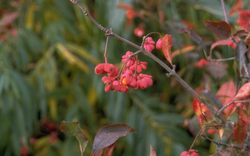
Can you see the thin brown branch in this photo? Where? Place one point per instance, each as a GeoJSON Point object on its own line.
{"type": "Point", "coordinates": [220, 60]}
{"type": "Point", "coordinates": [172, 72]}
{"type": "Point", "coordinates": [232, 102]}
{"type": "Point", "coordinates": [219, 143]}
{"type": "Point", "coordinates": [106, 48]}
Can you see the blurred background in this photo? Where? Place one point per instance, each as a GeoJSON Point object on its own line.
{"type": "Point", "coordinates": [48, 52]}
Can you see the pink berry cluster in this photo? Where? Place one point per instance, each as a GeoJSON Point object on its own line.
{"type": "Point", "coordinates": [191, 152]}
{"type": "Point", "coordinates": [131, 75]}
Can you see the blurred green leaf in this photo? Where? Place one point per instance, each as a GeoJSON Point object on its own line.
{"type": "Point", "coordinates": [71, 58]}
{"type": "Point", "coordinates": [73, 128]}
{"type": "Point", "coordinates": [165, 119]}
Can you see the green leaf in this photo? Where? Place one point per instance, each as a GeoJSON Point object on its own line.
{"type": "Point", "coordinates": [169, 118]}
{"type": "Point", "coordinates": [73, 128]}
{"type": "Point", "coordinates": [71, 58]}
{"type": "Point", "coordinates": [82, 52]}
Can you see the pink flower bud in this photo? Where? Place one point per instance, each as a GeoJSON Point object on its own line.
{"type": "Point", "coordinates": [158, 44]}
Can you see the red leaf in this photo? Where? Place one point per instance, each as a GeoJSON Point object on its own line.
{"type": "Point", "coordinates": [221, 29]}
{"type": "Point", "coordinates": [199, 109]}
{"type": "Point", "coordinates": [202, 122]}
{"type": "Point", "coordinates": [152, 151]}
{"type": "Point", "coordinates": [241, 33]}
{"type": "Point", "coordinates": [202, 111]}
{"type": "Point", "coordinates": [240, 129]}
{"type": "Point", "coordinates": [236, 7]}
{"type": "Point", "coordinates": [244, 91]}
{"type": "Point", "coordinates": [8, 18]}
{"type": "Point", "coordinates": [166, 44]}
{"type": "Point", "coordinates": [109, 150]}
{"type": "Point", "coordinates": [107, 135]}
{"type": "Point", "coordinates": [226, 92]}
{"type": "Point", "coordinates": [244, 19]}
{"type": "Point", "coordinates": [221, 42]}
{"type": "Point", "coordinates": [99, 153]}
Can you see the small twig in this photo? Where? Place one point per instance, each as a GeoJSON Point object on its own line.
{"type": "Point", "coordinates": [226, 19]}
{"type": "Point", "coordinates": [219, 143]}
{"type": "Point", "coordinates": [153, 33]}
{"type": "Point", "coordinates": [216, 60]}
{"type": "Point", "coordinates": [135, 53]}
{"type": "Point", "coordinates": [201, 130]}
{"type": "Point", "coordinates": [220, 60]}
{"type": "Point", "coordinates": [136, 63]}
{"type": "Point", "coordinates": [233, 102]}
{"type": "Point", "coordinates": [105, 51]}
{"type": "Point", "coordinates": [169, 74]}
{"type": "Point", "coordinates": [227, 105]}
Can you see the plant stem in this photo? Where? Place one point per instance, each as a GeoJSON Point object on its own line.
{"type": "Point", "coordinates": [224, 10]}
{"type": "Point", "coordinates": [171, 72]}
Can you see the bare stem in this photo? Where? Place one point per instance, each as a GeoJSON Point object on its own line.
{"type": "Point", "coordinates": [124, 64]}
{"type": "Point", "coordinates": [224, 10]}
{"type": "Point", "coordinates": [232, 102]}
{"type": "Point", "coordinates": [105, 51]}
{"type": "Point", "coordinates": [172, 72]}
{"type": "Point", "coordinates": [221, 60]}
{"type": "Point", "coordinates": [227, 105]}
{"type": "Point", "coordinates": [219, 143]}
{"type": "Point", "coordinates": [196, 137]}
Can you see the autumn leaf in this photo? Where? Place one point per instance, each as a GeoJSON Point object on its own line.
{"type": "Point", "coordinates": [166, 44]}
{"type": "Point", "coordinates": [107, 135]}
{"type": "Point", "coordinates": [202, 111]}
{"type": "Point", "coordinates": [221, 29]}
{"type": "Point", "coordinates": [244, 91]}
{"type": "Point", "coordinates": [99, 153]}
{"type": "Point", "coordinates": [240, 129]}
{"type": "Point", "coordinates": [221, 42]}
{"type": "Point", "coordinates": [8, 18]}
{"type": "Point", "coordinates": [221, 132]}
{"type": "Point", "coordinates": [152, 151]}
{"type": "Point", "coordinates": [226, 92]}
{"type": "Point", "coordinates": [236, 7]}
{"type": "Point", "coordinates": [109, 150]}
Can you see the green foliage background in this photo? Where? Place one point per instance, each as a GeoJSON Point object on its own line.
{"type": "Point", "coordinates": [47, 71]}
